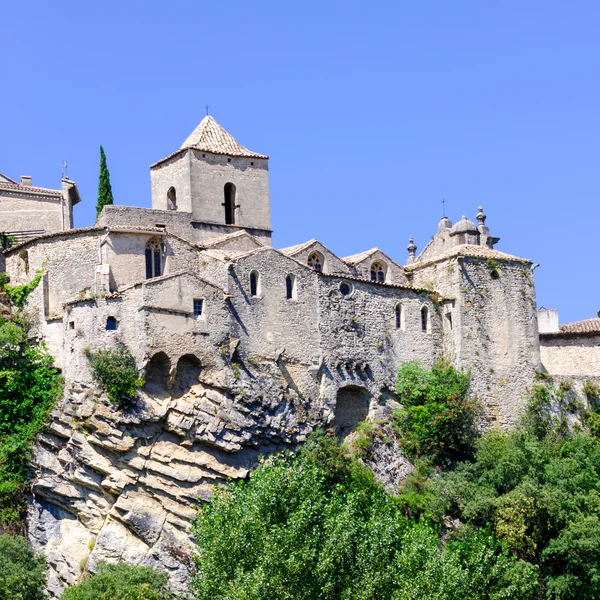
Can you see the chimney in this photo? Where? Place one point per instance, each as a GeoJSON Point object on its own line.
{"type": "Point", "coordinates": [26, 180]}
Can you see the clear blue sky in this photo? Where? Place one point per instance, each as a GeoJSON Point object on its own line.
{"type": "Point", "coordinates": [371, 112]}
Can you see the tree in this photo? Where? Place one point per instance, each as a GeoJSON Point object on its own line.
{"type": "Point", "coordinates": [21, 572]}
{"type": "Point", "coordinates": [316, 525]}
{"type": "Point", "coordinates": [105, 195]}
{"type": "Point", "coordinates": [121, 582]}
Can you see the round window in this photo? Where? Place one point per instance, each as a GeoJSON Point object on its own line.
{"type": "Point", "coordinates": [345, 288]}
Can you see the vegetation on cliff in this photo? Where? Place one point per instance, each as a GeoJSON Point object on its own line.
{"type": "Point", "coordinates": [29, 387]}
{"type": "Point", "coordinates": [21, 572]}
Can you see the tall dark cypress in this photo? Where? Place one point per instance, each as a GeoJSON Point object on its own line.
{"type": "Point", "coordinates": [104, 190]}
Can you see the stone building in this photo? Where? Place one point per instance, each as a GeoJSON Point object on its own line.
{"type": "Point", "coordinates": [27, 211]}
{"type": "Point", "coordinates": [243, 347]}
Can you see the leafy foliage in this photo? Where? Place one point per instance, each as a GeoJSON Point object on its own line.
{"type": "Point", "coordinates": [105, 195]}
{"type": "Point", "coordinates": [116, 372]}
{"type": "Point", "coordinates": [121, 582]}
{"type": "Point", "coordinates": [19, 293]}
{"type": "Point", "coordinates": [316, 525]}
{"type": "Point", "coordinates": [21, 572]}
{"type": "Point", "coordinates": [438, 417]}
{"type": "Point", "coordinates": [29, 387]}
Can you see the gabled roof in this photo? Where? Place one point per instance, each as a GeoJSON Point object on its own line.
{"type": "Point", "coordinates": [5, 179]}
{"type": "Point", "coordinates": [291, 250]}
{"type": "Point", "coordinates": [354, 259]}
{"type": "Point", "coordinates": [217, 241]}
{"type": "Point", "coordinates": [29, 189]}
{"type": "Point", "coordinates": [209, 136]}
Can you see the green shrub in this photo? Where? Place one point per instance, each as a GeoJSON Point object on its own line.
{"type": "Point", "coordinates": [117, 374]}
{"type": "Point", "coordinates": [21, 572]}
{"type": "Point", "coordinates": [121, 582]}
{"type": "Point", "coordinates": [19, 293]}
{"type": "Point", "coordinates": [438, 417]}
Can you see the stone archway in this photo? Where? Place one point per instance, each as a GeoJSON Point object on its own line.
{"type": "Point", "coordinates": [157, 373]}
{"type": "Point", "coordinates": [187, 373]}
{"type": "Point", "coordinates": [351, 407]}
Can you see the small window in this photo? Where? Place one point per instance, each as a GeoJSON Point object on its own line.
{"type": "Point", "coordinates": [449, 321]}
{"type": "Point", "coordinates": [378, 272]}
{"type": "Point", "coordinates": [71, 324]}
{"type": "Point", "coordinates": [425, 319]}
{"type": "Point", "coordinates": [290, 287]}
{"type": "Point", "coordinates": [229, 191]}
{"type": "Point", "coordinates": [171, 199]}
{"type": "Point", "coordinates": [398, 316]}
{"type": "Point", "coordinates": [228, 160]}
{"type": "Point", "coordinates": [254, 283]}
{"type": "Point", "coordinates": [345, 288]}
{"type": "Point", "coordinates": [315, 261]}
{"type": "Point", "coordinates": [251, 163]}
{"type": "Point", "coordinates": [111, 324]}
{"type": "Point", "coordinates": [198, 307]}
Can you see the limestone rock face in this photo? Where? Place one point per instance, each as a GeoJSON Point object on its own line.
{"type": "Point", "coordinates": [116, 485]}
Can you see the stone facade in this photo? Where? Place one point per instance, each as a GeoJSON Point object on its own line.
{"type": "Point", "coordinates": [27, 211]}
{"type": "Point", "coordinates": [244, 348]}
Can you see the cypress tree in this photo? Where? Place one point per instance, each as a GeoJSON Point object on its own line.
{"type": "Point", "coordinates": [104, 190]}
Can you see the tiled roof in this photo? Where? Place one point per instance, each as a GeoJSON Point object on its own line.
{"type": "Point", "coordinates": [586, 328]}
{"type": "Point", "coordinates": [209, 136]}
{"type": "Point", "coordinates": [291, 250]}
{"type": "Point", "coordinates": [354, 259]}
{"type": "Point", "coordinates": [469, 251]}
{"type": "Point", "coordinates": [212, 242]}
{"type": "Point", "coordinates": [17, 187]}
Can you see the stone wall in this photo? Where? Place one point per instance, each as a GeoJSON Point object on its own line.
{"type": "Point", "coordinates": [571, 355]}
{"type": "Point", "coordinates": [35, 212]}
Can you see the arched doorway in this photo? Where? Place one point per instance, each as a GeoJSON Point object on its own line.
{"type": "Point", "coordinates": [157, 373]}
{"type": "Point", "coordinates": [351, 407]}
{"type": "Point", "coordinates": [188, 371]}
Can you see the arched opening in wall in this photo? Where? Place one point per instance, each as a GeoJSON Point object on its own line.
{"type": "Point", "coordinates": [229, 203]}
{"type": "Point", "coordinates": [171, 199]}
{"type": "Point", "coordinates": [157, 373]}
{"type": "Point", "coordinates": [316, 261]}
{"type": "Point", "coordinates": [188, 371]}
{"type": "Point", "coordinates": [154, 258]}
{"type": "Point", "coordinates": [24, 256]}
{"type": "Point", "coordinates": [351, 407]}
{"type": "Point", "coordinates": [425, 319]}
{"type": "Point", "coordinates": [399, 317]}
{"type": "Point", "coordinates": [111, 324]}
{"type": "Point", "coordinates": [254, 283]}
{"type": "Point", "coordinates": [378, 272]}
{"type": "Point", "coordinates": [290, 287]}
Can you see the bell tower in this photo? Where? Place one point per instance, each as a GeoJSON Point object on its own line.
{"type": "Point", "coordinates": [222, 185]}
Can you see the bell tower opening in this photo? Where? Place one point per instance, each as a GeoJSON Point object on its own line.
{"type": "Point", "coordinates": [229, 204]}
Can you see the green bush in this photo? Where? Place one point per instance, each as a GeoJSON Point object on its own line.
{"type": "Point", "coordinates": [21, 572]}
{"type": "Point", "coordinates": [316, 525]}
{"type": "Point", "coordinates": [438, 417]}
{"type": "Point", "coordinates": [116, 372]}
{"type": "Point", "coordinates": [29, 388]}
{"type": "Point", "coordinates": [121, 582]}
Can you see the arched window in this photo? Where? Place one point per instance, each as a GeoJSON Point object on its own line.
{"type": "Point", "coordinates": [111, 324]}
{"type": "Point", "coordinates": [378, 272]}
{"type": "Point", "coordinates": [153, 258]}
{"type": "Point", "coordinates": [254, 284]}
{"type": "Point", "coordinates": [290, 287]}
{"type": "Point", "coordinates": [229, 204]}
{"type": "Point", "coordinates": [425, 319]}
{"type": "Point", "coordinates": [171, 199]}
{"type": "Point", "coordinates": [399, 316]}
{"type": "Point", "coordinates": [315, 261]}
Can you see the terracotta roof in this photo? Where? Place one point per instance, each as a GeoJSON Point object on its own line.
{"type": "Point", "coordinates": [585, 328]}
{"type": "Point", "coordinates": [17, 187]}
{"type": "Point", "coordinates": [468, 251]}
{"type": "Point", "coordinates": [209, 136]}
